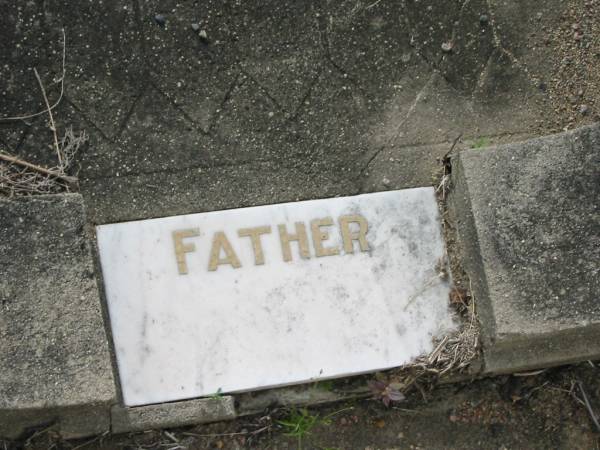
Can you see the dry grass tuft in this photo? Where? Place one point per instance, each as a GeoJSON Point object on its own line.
{"type": "Point", "coordinates": [18, 177]}
{"type": "Point", "coordinates": [455, 351]}
{"type": "Point", "coordinates": [453, 354]}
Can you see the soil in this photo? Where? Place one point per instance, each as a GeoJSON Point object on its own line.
{"type": "Point", "coordinates": [571, 50]}
{"type": "Point", "coordinates": [543, 411]}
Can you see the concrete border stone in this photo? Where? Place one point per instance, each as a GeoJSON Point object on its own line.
{"type": "Point", "coordinates": [54, 357]}
{"type": "Point", "coordinates": [529, 227]}
{"type": "Point", "coordinates": [176, 414]}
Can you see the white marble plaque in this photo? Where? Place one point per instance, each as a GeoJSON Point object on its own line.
{"type": "Point", "coordinates": [243, 299]}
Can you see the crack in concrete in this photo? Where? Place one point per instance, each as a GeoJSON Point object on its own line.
{"type": "Point", "coordinates": [179, 170]}
{"type": "Point", "coordinates": [177, 108]}
{"type": "Point", "coordinates": [137, 17]}
{"type": "Point", "coordinates": [25, 133]}
{"type": "Point", "coordinates": [298, 110]}
{"type": "Point", "coordinates": [325, 31]}
{"type": "Point", "coordinates": [460, 17]}
{"type": "Point", "coordinates": [413, 106]}
{"type": "Point", "coordinates": [411, 38]}
{"type": "Point", "coordinates": [498, 45]}
{"type": "Point", "coordinates": [497, 41]}
{"type": "Point", "coordinates": [203, 48]}
{"type": "Point", "coordinates": [215, 117]}
{"type": "Point", "coordinates": [130, 111]}
{"type": "Point", "coordinates": [407, 116]}
{"type": "Point", "coordinates": [482, 77]}
{"type": "Point", "coordinates": [433, 65]}
{"type": "Point", "coordinates": [264, 90]}
{"type": "Point", "coordinates": [66, 99]}
{"type": "Point", "coordinates": [486, 67]}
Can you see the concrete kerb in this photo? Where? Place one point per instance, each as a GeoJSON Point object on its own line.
{"type": "Point", "coordinates": [527, 219]}
{"type": "Point", "coordinates": [502, 352]}
{"type": "Point", "coordinates": [176, 414]}
{"type": "Point", "coordinates": [54, 356]}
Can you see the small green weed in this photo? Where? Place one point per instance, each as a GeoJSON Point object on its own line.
{"type": "Point", "coordinates": [325, 385]}
{"type": "Point", "coordinates": [300, 423]}
{"type": "Point", "coordinates": [217, 394]}
{"type": "Point", "coordinates": [481, 143]}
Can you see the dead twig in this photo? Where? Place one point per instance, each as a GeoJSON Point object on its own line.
{"type": "Point", "coordinates": [434, 354]}
{"type": "Point", "coordinates": [52, 124]}
{"type": "Point", "coordinates": [62, 89]}
{"type": "Point", "coordinates": [42, 170]}
{"type": "Point", "coordinates": [171, 436]}
{"type": "Point", "coordinates": [373, 4]}
{"type": "Point", "coordinates": [444, 184]}
{"type": "Point", "coordinates": [19, 177]}
{"type": "Point", "coordinates": [446, 158]}
{"type": "Point", "coordinates": [91, 441]}
{"type": "Point", "coordinates": [588, 406]}
{"type": "Point", "coordinates": [529, 374]}
{"type": "Point", "coordinates": [239, 433]}
{"type": "Point", "coordinates": [38, 433]}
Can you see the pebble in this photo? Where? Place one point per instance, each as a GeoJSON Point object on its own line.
{"type": "Point", "coordinates": [484, 19]}
{"type": "Point", "coordinates": [584, 109]}
{"type": "Point", "coordinates": [160, 20]}
{"type": "Point", "coordinates": [447, 47]}
{"type": "Point", "coordinates": [196, 27]}
{"type": "Point", "coordinates": [203, 36]}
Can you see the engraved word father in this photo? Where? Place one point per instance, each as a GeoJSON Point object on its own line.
{"type": "Point", "coordinates": [352, 228]}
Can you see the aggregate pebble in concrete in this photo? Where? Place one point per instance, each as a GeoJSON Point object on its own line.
{"type": "Point", "coordinates": [529, 224]}
{"type": "Point", "coordinates": [54, 356]}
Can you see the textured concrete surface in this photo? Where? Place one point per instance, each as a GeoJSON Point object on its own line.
{"type": "Point", "coordinates": [54, 356]}
{"type": "Point", "coordinates": [178, 414]}
{"type": "Point", "coordinates": [283, 101]}
{"type": "Point", "coordinates": [529, 224]}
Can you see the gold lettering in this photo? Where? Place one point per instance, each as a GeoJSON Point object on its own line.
{"type": "Point", "coordinates": [254, 235]}
{"type": "Point", "coordinates": [300, 236]}
{"type": "Point", "coordinates": [319, 236]}
{"type": "Point", "coordinates": [181, 249]}
{"type": "Point", "coordinates": [349, 236]}
{"type": "Point", "coordinates": [219, 242]}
